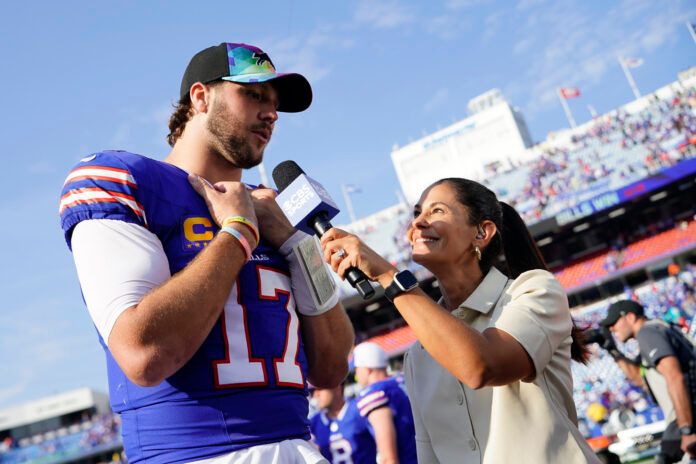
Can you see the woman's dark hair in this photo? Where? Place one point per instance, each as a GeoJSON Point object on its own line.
{"type": "Point", "coordinates": [512, 248]}
{"type": "Point", "coordinates": [181, 115]}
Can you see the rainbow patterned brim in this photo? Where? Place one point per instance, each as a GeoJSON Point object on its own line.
{"type": "Point", "coordinates": [246, 64]}
{"type": "Point", "coordinates": [249, 64]}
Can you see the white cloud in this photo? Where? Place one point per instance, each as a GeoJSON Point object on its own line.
{"type": "Point", "coordinates": [446, 27]}
{"type": "Point", "coordinates": [18, 387]}
{"type": "Point", "coordinates": [492, 23]}
{"type": "Point", "coordinates": [580, 49]}
{"type": "Point", "coordinates": [523, 45]}
{"type": "Point", "coordinates": [142, 130]}
{"type": "Point", "coordinates": [40, 331]}
{"type": "Point", "coordinates": [304, 52]}
{"type": "Point", "coordinates": [436, 100]}
{"type": "Point", "coordinates": [384, 14]}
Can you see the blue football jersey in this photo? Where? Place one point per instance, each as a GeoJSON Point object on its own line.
{"type": "Point", "coordinates": [392, 394]}
{"type": "Point", "coordinates": [245, 385]}
{"type": "Point", "coordinates": [347, 439]}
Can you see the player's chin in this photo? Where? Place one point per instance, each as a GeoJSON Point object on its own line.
{"type": "Point", "coordinates": [257, 153]}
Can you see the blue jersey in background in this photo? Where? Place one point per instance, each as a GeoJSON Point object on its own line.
{"type": "Point", "coordinates": [391, 393]}
{"type": "Point", "coordinates": [346, 439]}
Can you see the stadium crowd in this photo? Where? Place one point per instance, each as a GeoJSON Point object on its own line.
{"type": "Point", "coordinates": [612, 151]}
{"type": "Point", "coordinates": [609, 153]}
{"type": "Point", "coordinates": [97, 434]}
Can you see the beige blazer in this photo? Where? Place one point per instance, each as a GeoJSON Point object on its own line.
{"type": "Point", "coordinates": [524, 422]}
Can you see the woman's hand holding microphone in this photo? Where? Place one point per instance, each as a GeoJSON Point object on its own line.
{"type": "Point", "coordinates": [343, 250]}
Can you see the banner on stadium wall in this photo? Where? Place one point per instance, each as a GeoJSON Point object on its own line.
{"type": "Point", "coordinates": [660, 179]}
{"type": "Point", "coordinates": [614, 198]}
{"type": "Point", "coordinates": [588, 207]}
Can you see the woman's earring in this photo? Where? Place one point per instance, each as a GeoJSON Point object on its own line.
{"type": "Point", "coordinates": [477, 252]}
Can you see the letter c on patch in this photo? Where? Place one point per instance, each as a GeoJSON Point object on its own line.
{"type": "Point", "coordinates": [202, 233]}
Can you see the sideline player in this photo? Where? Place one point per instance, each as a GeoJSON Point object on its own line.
{"type": "Point", "coordinates": [384, 402]}
{"type": "Point", "coordinates": [341, 433]}
{"type": "Point", "coordinates": [196, 310]}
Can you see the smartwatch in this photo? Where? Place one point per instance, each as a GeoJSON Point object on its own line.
{"type": "Point", "coordinates": [402, 283]}
{"type": "Point", "coordinates": [685, 430]}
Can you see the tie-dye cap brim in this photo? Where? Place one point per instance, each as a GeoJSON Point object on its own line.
{"type": "Point", "coordinates": [246, 64]}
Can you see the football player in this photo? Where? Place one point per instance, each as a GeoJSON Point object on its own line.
{"type": "Point", "coordinates": [384, 402]}
{"type": "Point", "coordinates": [341, 433]}
{"type": "Point", "coordinates": [192, 278]}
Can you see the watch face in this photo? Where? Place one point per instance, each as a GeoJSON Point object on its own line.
{"type": "Point", "coordinates": [406, 280]}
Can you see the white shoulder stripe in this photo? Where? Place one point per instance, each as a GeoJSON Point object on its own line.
{"type": "Point", "coordinates": [370, 397]}
{"type": "Point", "coordinates": [102, 172]}
{"type": "Point", "coordinates": [95, 195]}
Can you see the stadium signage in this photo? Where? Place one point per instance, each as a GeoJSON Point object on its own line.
{"type": "Point", "coordinates": [636, 189]}
{"type": "Point", "coordinates": [660, 179]}
{"type": "Point", "coordinates": [587, 208]}
{"type": "Point", "coordinates": [439, 139]}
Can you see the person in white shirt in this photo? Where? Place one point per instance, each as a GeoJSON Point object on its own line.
{"type": "Point", "coordinates": [489, 379]}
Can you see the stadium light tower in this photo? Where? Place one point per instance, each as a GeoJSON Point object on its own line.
{"type": "Point", "coordinates": [347, 189]}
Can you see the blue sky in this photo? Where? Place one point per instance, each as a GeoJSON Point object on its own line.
{"type": "Point", "coordinates": [81, 76]}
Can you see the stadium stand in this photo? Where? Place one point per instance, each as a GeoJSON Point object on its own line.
{"type": "Point", "coordinates": [611, 152]}
{"type": "Point", "coordinates": [95, 440]}
{"type": "Point", "coordinates": [635, 255]}
{"type": "Point", "coordinates": [71, 427]}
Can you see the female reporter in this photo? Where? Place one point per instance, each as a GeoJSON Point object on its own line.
{"type": "Point", "coordinates": [489, 379]}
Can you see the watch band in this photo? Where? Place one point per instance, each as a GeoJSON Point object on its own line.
{"type": "Point", "coordinates": [685, 430]}
{"type": "Point", "coordinates": [403, 282]}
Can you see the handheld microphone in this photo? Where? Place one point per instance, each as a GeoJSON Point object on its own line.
{"type": "Point", "coordinates": [309, 208]}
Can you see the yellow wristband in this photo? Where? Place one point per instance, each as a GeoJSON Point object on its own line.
{"type": "Point", "coordinates": [242, 220]}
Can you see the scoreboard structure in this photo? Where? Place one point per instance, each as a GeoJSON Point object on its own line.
{"type": "Point", "coordinates": [493, 137]}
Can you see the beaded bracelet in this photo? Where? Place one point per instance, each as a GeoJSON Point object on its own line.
{"type": "Point", "coordinates": [240, 238]}
{"type": "Point", "coordinates": [242, 220]}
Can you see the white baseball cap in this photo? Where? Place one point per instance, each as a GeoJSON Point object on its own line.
{"type": "Point", "coordinates": [370, 355]}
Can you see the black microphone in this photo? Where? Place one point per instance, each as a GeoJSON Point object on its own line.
{"type": "Point", "coordinates": [309, 208]}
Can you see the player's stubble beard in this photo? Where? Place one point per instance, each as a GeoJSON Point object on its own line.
{"type": "Point", "coordinates": [229, 137]}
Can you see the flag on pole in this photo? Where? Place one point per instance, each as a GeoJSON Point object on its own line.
{"type": "Point", "coordinates": [633, 62]}
{"type": "Point", "coordinates": [626, 65]}
{"type": "Point", "coordinates": [350, 188]}
{"type": "Point", "coordinates": [569, 92]}
{"type": "Point", "coordinates": [565, 93]}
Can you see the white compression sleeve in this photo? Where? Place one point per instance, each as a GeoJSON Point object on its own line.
{"type": "Point", "coordinates": [117, 264]}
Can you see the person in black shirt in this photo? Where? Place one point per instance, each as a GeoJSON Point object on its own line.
{"type": "Point", "coordinates": [668, 358]}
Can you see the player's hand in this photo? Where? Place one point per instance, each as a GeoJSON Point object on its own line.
{"type": "Point", "coordinates": [225, 199]}
{"type": "Point", "coordinates": [274, 227]}
{"type": "Point", "coordinates": [688, 444]}
{"type": "Point", "coordinates": [357, 254]}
